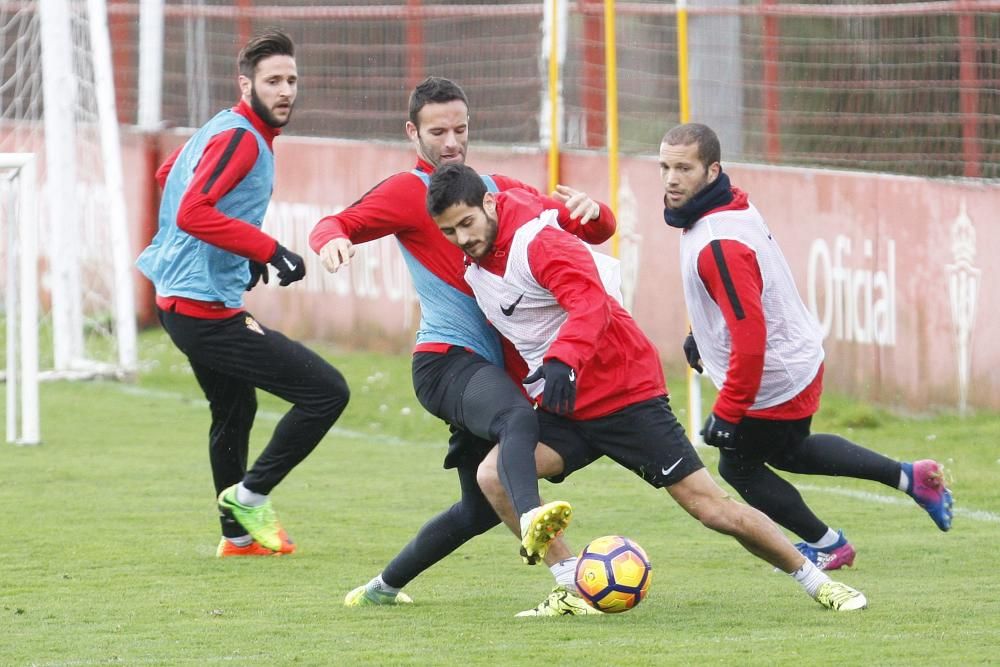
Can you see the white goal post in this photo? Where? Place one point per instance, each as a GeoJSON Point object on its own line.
{"type": "Point", "coordinates": [80, 120]}
{"type": "Point", "coordinates": [20, 216]}
{"type": "Point", "coordinates": [57, 104]}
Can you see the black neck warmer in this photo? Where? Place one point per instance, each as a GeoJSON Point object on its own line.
{"type": "Point", "coordinates": [717, 193]}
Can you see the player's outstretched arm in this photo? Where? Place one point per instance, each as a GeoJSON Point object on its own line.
{"type": "Point", "coordinates": [394, 206]}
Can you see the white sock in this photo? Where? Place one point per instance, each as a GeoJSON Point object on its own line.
{"type": "Point", "coordinates": [904, 481]}
{"type": "Point", "coordinates": [378, 585]}
{"type": "Point", "coordinates": [565, 573]}
{"type": "Point", "coordinates": [248, 498]}
{"type": "Point", "coordinates": [827, 540]}
{"type": "Point", "coordinates": [526, 519]}
{"type": "Point", "coordinates": [810, 577]}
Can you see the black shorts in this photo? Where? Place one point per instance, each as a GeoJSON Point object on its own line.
{"type": "Point", "coordinates": [644, 437]}
{"type": "Point", "coordinates": [469, 393]}
{"type": "Point", "coordinates": [759, 440]}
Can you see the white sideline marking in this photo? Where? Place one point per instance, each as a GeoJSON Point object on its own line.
{"type": "Point", "coordinates": [268, 415]}
{"type": "Point", "coordinates": [975, 515]}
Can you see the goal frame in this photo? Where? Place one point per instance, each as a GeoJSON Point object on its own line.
{"type": "Point", "coordinates": [62, 176]}
{"type": "Point", "coordinates": [88, 298]}
{"type": "Point", "coordinates": [21, 299]}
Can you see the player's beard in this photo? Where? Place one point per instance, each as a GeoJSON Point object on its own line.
{"type": "Point", "coordinates": [691, 194]}
{"type": "Point", "coordinates": [265, 114]}
{"type": "Point", "coordinates": [487, 242]}
{"type": "Point", "coordinates": [434, 157]}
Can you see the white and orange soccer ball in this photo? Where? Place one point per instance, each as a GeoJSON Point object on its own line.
{"type": "Point", "coordinates": [613, 574]}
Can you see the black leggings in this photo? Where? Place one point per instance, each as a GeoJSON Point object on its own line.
{"type": "Point", "coordinates": [482, 404]}
{"type": "Point", "coordinates": [788, 446]}
{"type": "Point", "coordinates": [472, 515]}
{"type": "Point", "coordinates": [233, 357]}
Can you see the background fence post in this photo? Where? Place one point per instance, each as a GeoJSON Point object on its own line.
{"type": "Point", "coordinates": [772, 94]}
{"type": "Point", "coordinates": [968, 91]}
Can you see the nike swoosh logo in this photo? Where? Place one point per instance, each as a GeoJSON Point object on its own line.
{"type": "Point", "coordinates": [572, 375]}
{"type": "Point", "coordinates": [667, 471]}
{"type": "Point", "coordinates": [291, 267]}
{"type": "Point", "coordinates": [509, 310]}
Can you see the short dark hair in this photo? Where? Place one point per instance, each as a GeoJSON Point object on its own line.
{"type": "Point", "coordinates": [454, 184]}
{"type": "Point", "coordinates": [272, 42]}
{"type": "Point", "coordinates": [434, 90]}
{"type": "Point", "coordinates": [709, 150]}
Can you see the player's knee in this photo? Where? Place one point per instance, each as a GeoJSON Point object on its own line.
{"type": "Point", "coordinates": [235, 414]}
{"type": "Point", "coordinates": [711, 518]}
{"type": "Point", "coordinates": [488, 478]}
{"type": "Point", "coordinates": [518, 421]}
{"type": "Point", "coordinates": [734, 473]}
{"type": "Point", "coordinates": [727, 470]}
{"type": "Point", "coordinates": [718, 514]}
{"type": "Point", "coordinates": [333, 395]}
{"type": "Point", "coordinates": [337, 387]}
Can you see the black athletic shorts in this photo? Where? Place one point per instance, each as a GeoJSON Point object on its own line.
{"type": "Point", "coordinates": [759, 440]}
{"type": "Point", "coordinates": [644, 437]}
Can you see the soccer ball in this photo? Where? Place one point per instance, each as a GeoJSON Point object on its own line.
{"type": "Point", "coordinates": [613, 574]}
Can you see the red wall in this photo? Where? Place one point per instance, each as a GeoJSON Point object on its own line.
{"type": "Point", "coordinates": [881, 259]}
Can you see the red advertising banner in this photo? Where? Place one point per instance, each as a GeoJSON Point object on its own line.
{"type": "Point", "coordinates": [896, 269]}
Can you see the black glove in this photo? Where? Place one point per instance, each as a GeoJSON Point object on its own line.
{"type": "Point", "coordinates": [291, 267]}
{"type": "Point", "coordinates": [560, 386]}
{"type": "Point", "coordinates": [692, 354]}
{"type": "Point", "coordinates": [258, 272]}
{"type": "Point", "coordinates": [718, 432]}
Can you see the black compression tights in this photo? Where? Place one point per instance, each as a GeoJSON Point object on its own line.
{"type": "Point", "coordinates": [470, 516]}
{"type": "Point", "coordinates": [818, 454]}
{"type": "Point", "coordinates": [494, 409]}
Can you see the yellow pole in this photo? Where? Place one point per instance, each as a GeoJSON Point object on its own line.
{"type": "Point", "coordinates": [554, 97]}
{"type": "Point", "coordinates": [682, 61]}
{"type": "Point", "coordinates": [683, 91]}
{"type": "Point", "coordinates": [611, 88]}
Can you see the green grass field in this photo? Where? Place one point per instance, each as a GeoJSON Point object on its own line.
{"type": "Point", "coordinates": [110, 533]}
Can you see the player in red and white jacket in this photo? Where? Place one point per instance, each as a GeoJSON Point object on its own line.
{"type": "Point", "coordinates": [458, 359]}
{"type": "Point", "coordinates": [596, 378]}
{"type": "Point", "coordinates": [763, 349]}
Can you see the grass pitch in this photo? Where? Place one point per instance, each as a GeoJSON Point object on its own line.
{"type": "Point", "coordinates": [109, 537]}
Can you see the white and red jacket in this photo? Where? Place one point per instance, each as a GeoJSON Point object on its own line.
{"type": "Point", "coordinates": [541, 287]}
{"type": "Point", "coordinates": [758, 342]}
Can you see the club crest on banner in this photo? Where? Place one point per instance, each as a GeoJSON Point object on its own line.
{"type": "Point", "coordinates": [963, 294]}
